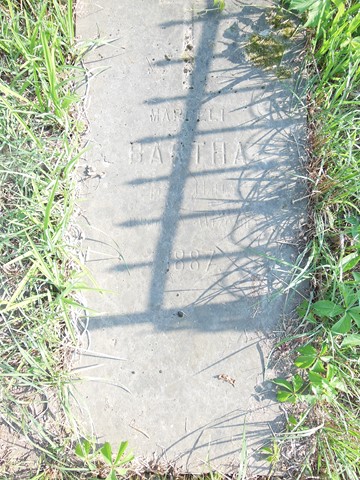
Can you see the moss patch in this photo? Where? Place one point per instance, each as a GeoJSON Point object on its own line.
{"type": "Point", "coordinates": [283, 72]}
{"type": "Point", "coordinates": [265, 52]}
{"type": "Point", "coordinates": [280, 21]}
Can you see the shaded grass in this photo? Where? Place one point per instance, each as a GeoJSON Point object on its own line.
{"type": "Point", "coordinates": [327, 402]}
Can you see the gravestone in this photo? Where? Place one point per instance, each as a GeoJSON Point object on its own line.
{"type": "Point", "coordinates": [190, 211]}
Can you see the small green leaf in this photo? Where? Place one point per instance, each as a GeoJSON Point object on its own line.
{"type": "Point", "coordinates": [331, 371]}
{"type": "Point", "coordinates": [266, 449]}
{"type": "Point", "coordinates": [281, 382]}
{"type": "Point", "coordinates": [67, 100]}
{"type": "Point", "coordinates": [297, 382]}
{"type": "Point", "coordinates": [349, 261]}
{"type": "Point", "coordinates": [356, 276]}
{"type": "Point", "coordinates": [107, 453]}
{"type": "Point", "coordinates": [318, 367]}
{"type": "Point", "coordinates": [349, 295]}
{"type": "Point", "coordinates": [122, 448]}
{"type": "Point", "coordinates": [324, 349]}
{"type": "Point", "coordinates": [304, 361]}
{"type": "Point", "coordinates": [354, 312]}
{"type": "Point", "coordinates": [339, 385]}
{"type": "Point", "coordinates": [283, 396]}
{"type": "Point", "coordinates": [79, 450]}
{"type": "Point", "coordinates": [342, 326]}
{"type": "Point", "coordinates": [302, 308]}
{"type": "Point", "coordinates": [315, 10]}
{"type": "Point", "coordinates": [352, 340]}
{"type": "Point", "coordinates": [301, 5]}
{"type": "Point", "coordinates": [292, 420]}
{"type": "Point", "coordinates": [83, 448]}
{"type": "Point", "coordinates": [326, 358]}
{"type": "Point", "coordinates": [333, 381]}
{"type": "Point", "coordinates": [220, 4]}
{"type": "Point", "coordinates": [308, 398]}
{"type": "Point", "coordinates": [128, 458]}
{"type": "Point", "coordinates": [327, 308]}
{"type": "Point", "coordinates": [307, 350]}
{"type": "Point", "coordinates": [315, 378]}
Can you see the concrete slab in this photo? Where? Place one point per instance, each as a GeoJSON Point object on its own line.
{"type": "Point", "coordinates": [188, 201]}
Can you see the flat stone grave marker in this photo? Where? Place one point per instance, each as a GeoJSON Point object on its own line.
{"type": "Point", "coordinates": [190, 208]}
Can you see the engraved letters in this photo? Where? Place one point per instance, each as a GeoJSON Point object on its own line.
{"type": "Point", "coordinates": [204, 154]}
{"type": "Point", "coordinates": [176, 114]}
{"type": "Point", "coordinates": [156, 155]}
{"type": "Point", "coordinates": [218, 153]}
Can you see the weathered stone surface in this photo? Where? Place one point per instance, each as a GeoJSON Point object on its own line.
{"type": "Point", "coordinates": [188, 203]}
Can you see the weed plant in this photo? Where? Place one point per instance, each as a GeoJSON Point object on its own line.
{"type": "Point", "coordinates": [327, 380]}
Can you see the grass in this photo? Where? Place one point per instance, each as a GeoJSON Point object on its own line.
{"type": "Point", "coordinates": [41, 278]}
{"type": "Point", "coordinates": [323, 431]}
{"type": "Point", "coordinates": [40, 275]}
